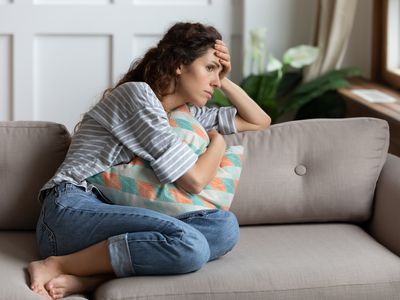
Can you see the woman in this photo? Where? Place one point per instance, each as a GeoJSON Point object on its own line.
{"type": "Point", "coordinates": [85, 240]}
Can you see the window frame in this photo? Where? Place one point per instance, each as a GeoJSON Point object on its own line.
{"type": "Point", "coordinates": [379, 70]}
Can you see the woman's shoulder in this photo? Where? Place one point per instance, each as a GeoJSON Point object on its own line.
{"type": "Point", "coordinates": [135, 92]}
{"type": "Point", "coordinates": [133, 87]}
{"type": "Point", "coordinates": [125, 101]}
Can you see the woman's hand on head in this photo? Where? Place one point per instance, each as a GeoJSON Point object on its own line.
{"type": "Point", "coordinates": [224, 58]}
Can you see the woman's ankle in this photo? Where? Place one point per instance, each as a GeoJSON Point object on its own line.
{"type": "Point", "coordinates": [55, 262]}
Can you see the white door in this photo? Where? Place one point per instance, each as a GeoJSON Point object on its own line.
{"type": "Point", "coordinates": [58, 56]}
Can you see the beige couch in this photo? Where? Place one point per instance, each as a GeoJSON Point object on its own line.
{"type": "Point", "coordinates": [319, 216]}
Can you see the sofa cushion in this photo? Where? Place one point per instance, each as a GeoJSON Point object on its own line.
{"type": "Point", "coordinates": [309, 261]}
{"type": "Point", "coordinates": [30, 153]}
{"type": "Point", "coordinates": [16, 251]}
{"type": "Point", "coordinates": [314, 170]}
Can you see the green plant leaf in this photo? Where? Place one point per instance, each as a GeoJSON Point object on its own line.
{"type": "Point", "coordinates": [330, 76]}
{"type": "Point", "coordinates": [267, 97]}
{"type": "Point", "coordinates": [251, 85]}
{"type": "Point", "coordinates": [329, 105]}
{"type": "Point", "coordinates": [310, 90]}
{"type": "Point", "coordinates": [219, 99]}
{"type": "Point", "coordinates": [262, 89]}
{"type": "Point", "coordinates": [289, 82]}
{"type": "Point", "coordinates": [268, 89]}
{"type": "Point", "coordinates": [298, 100]}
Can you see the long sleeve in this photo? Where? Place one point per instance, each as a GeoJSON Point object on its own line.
{"type": "Point", "coordinates": [221, 119]}
{"type": "Point", "coordinates": [133, 114]}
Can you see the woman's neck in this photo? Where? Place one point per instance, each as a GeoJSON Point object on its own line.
{"type": "Point", "coordinates": [172, 101]}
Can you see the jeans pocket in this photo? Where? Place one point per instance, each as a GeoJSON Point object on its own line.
{"type": "Point", "coordinates": [46, 239]}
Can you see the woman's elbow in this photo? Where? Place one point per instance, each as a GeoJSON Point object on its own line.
{"type": "Point", "coordinates": [193, 189]}
{"type": "Point", "coordinates": [190, 184]}
{"type": "Point", "coordinates": [196, 189]}
{"type": "Point", "coordinates": [266, 123]}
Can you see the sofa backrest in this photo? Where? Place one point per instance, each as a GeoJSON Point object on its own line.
{"type": "Point", "coordinates": [30, 153]}
{"type": "Point", "coordinates": [300, 171]}
{"type": "Point", "coordinates": [316, 170]}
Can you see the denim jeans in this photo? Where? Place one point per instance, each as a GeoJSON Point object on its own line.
{"type": "Point", "coordinates": [140, 241]}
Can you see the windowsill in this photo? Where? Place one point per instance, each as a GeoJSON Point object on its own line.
{"type": "Point", "coordinates": [389, 109]}
{"type": "Point", "coordinates": [356, 106]}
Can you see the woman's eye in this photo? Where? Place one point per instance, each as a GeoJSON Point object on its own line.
{"type": "Point", "coordinates": [210, 68]}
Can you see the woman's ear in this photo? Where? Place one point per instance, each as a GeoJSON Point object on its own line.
{"type": "Point", "coordinates": [179, 70]}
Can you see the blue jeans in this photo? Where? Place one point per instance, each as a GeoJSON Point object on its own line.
{"type": "Point", "coordinates": [140, 241]}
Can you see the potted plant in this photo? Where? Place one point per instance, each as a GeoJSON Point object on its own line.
{"type": "Point", "coordinates": [278, 86]}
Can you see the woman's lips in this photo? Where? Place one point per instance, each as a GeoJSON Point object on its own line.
{"type": "Point", "coordinates": [209, 94]}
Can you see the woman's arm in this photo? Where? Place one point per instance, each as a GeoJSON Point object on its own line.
{"type": "Point", "coordinates": [250, 116]}
{"type": "Point", "coordinates": [205, 168]}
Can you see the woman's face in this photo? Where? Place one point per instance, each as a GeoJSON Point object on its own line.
{"type": "Point", "coordinates": [197, 81]}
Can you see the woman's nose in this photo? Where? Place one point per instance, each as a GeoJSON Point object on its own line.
{"type": "Point", "coordinates": [216, 82]}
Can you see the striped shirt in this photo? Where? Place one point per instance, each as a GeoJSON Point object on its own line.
{"type": "Point", "coordinates": [130, 121]}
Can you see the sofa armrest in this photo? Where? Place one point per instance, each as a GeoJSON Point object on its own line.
{"type": "Point", "coordinates": [385, 223]}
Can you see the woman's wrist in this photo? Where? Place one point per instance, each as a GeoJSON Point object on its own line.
{"type": "Point", "coordinates": [218, 139]}
{"type": "Point", "coordinates": [217, 147]}
{"type": "Point", "coordinates": [226, 84]}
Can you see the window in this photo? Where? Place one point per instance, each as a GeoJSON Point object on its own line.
{"type": "Point", "coordinates": [386, 42]}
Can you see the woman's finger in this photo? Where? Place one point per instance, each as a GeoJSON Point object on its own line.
{"type": "Point", "coordinates": [226, 67]}
{"type": "Point", "coordinates": [223, 56]}
{"type": "Point", "coordinates": [221, 48]}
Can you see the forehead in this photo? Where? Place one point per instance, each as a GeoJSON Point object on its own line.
{"type": "Point", "coordinates": [209, 57]}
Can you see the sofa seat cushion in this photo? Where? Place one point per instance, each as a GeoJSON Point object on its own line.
{"type": "Point", "coordinates": [16, 251]}
{"type": "Point", "coordinates": [320, 261]}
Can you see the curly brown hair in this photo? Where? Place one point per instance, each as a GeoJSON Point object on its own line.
{"type": "Point", "coordinates": [182, 44]}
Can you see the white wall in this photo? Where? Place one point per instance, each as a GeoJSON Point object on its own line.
{"type": "Point", "coordinates": [57, 56]}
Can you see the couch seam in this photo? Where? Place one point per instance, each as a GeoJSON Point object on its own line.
{"type": "Point", "coordinates": [379, 168]}
{"type": "Point", "coordinates": [260, 291]}
{"type": "Point", "coordinates": [327, 120]}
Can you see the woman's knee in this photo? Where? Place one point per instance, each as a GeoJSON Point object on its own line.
{"type": "Point", "coordinates": [220, 228]}
{"type": "Point", "coordinates": [230, 230]}
{"type": "Point", "coordinates": [195, 252]}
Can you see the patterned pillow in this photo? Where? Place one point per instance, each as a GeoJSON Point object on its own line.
{"type": "Point", "coordinates": [135, 183]}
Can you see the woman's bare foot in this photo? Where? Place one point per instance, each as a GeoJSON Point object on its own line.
{"type": "Point", "coordinates": [41, 272]}
{"type": "Point", "coordinates": [65, 285]}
